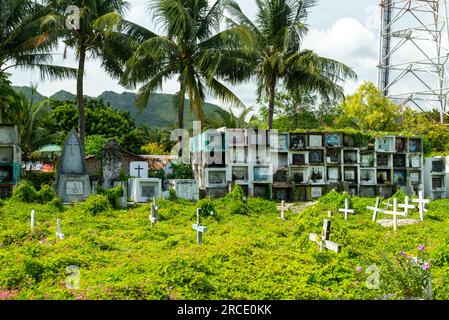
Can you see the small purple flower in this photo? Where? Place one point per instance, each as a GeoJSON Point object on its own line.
{"type": "Point", "coordinates": [403, 254]}
{"type": "Point", "coordinates": [358, 269]}
{"type": "Point", "coordinates": [421, 247]}
{"type": "Point", "coordinates": [426, 266]}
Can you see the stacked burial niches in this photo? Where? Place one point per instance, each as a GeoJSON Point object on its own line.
{"type": "Point", "coordinates": [305, 166]}
{"type": "Point", "coordinates": [10, 160]}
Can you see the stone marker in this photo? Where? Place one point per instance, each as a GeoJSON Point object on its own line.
{"type": "Point", "coordinates": [346, 210]}
{"type": "Point", "coordinates": [323, 241]}
{"type": "Point", "coordinates": [72, 181]}
{"type": "Point", "coordinates": [154, 216]}
{"type": "Point", "coordinates": [406, 206]}
{"type": "Point", "coordinates": [375, 209]}
{"type": "Point", "coordinates": [33, 220]}
{"type": "Point", "coordinates": [198, 228]}
{"type": "Point", "coordinates": [59, 233]}
{"type": "Point", "coordinates": [421, 204]}
{"type": "Point", "coordinates": [187, 189]}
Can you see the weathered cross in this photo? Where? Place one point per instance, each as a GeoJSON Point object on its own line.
{"type": "Point", "coordinates": [33, 220]}
{"type": "Point", "coordinates": [198, 227]}
{"type": "Point", "coordinates": [421, 204]}
{"type": "Point", "coordinates": [282, 208]}
{"type": "Point", "coordinates": [375, 209]}
{"type": "Point", "coordinates": [346, 210]}
{"type": "Point", "coordinates": [406, 206]}
{"type": "Point", "coordinates": [139, 168]}
{"type": "Point", "coordinates": [324, 241]}
{"type": "Point", "coordinates": [154, 216]}
{"type": "Point", "coordinates": [59, 233]}
{"type": "Point", "coordinates": [73, 143]}
{"type": "Point", "coordinates": [395, 213]}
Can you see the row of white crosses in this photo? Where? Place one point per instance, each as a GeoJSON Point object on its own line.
{"type": "Point", "coordinates": [421, 201]}
{"type": "Point", "coordinates": [59, 233]}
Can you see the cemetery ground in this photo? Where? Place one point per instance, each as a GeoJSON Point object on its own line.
{"type": "Point", "coordinates": [248, 252]}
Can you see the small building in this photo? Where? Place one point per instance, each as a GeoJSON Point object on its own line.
{"type": "Point", "coordinates": [10, 160]}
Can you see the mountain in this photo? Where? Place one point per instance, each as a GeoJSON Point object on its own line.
{"type": "Point", "coordinates": [27, 92]}
{"type": "Point", "coordinates": [159, 112]}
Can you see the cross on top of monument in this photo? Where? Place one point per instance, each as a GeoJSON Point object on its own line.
{"type": "Point", "coordinates": [72, 143]}
{"type": "Point", "coordinates": [139, 168]}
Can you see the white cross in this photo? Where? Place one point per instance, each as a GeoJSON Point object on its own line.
{"type": "Point", "coordinates": [198, 228]}
{"type": "Point", "coordinates": [59, 233]}
{"type": "Point", "coordinates": [395, 213]}
{"type": "Point", "coordinates": [406, 206]}
{"type": "Point", "coordinates": [282, 208]}
{"type": "Point", "coordinates": [375, 209]}
{"type": "Point", "coordinates": [421, 204]}
{"type": "Point", "coordinates": [33, 220]}
{"type": "Point", "coordinates": [330, 214]}
{"type": "Point", "coordinates": [388, 204]}
{"type": "Point", "coordinates": [324, 241]}
{"type": "Point", "coordinates": [154, 216]}
{"type": "Point", "coordinates": [346, 210]}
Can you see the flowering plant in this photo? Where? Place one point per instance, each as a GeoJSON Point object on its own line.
{"type": "Point", "coordinates": [6, 294]}
{"type": "Point", "coordinates": [409, 276]}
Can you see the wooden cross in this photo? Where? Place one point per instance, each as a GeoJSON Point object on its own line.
{"type": "Point", "coordinates": [154, 216]}
{"type": "Point", "coordinates": [324, 241]}
{"type": "Point", "coordinates": [282, 208]}
{"type": "Point", "coordinates": [346, 210]}
{"type": "Point", "coordinates": [33, 220]}
{"type": "Point", "coordinates": [406, 206]}
{"type": "Point", "coordinates": [421, 204]}
{"type": "Point", "coordinates": [395, 213]}
{"type": "Point", "coordinates": [59, 233]}
{"type": "Point", "coordinates": [198, 228]}
{"type": "Point", "coordinates": [375, 209]}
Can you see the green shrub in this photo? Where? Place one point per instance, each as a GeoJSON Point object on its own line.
{"type": "Point", "coordinates": [46, 194]}
{"type": "Point", "coordinates": [25, 193]}
{"type": "Point", "coordinates": [96, 204]}
{"type": "Point", "coordinates": [207, 208]}
{"type": "Point", "coordinates": [39, 179]}
{"type": "Point", "coordinates": [172, 195]}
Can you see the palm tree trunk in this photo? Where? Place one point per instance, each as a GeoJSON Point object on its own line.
{"type": "Point", "coordinates": [272, 95]}
{"type": "Point", "coordinates": [181, 101]}
{"type": "Point", "coordinates": [441, 117]}
{"type": "Point", "coordinates": [80, 95]}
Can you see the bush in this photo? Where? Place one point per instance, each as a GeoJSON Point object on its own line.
{"type": "Point", "coordinates": [46, 194]}
{"type": "Point", "coordinates": [234, 201]}
{"type": "Point", "coordinates": [39, 179]}
{"type": "Point", "coordinates": [96, 204]}
{"type": "Point", "coordinates": [207, 208]}
{"type": "Point", "coordinates": [25, 193]}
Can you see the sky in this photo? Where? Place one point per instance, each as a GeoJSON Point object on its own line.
{"type": "Point", "coordinates": [345, 30]}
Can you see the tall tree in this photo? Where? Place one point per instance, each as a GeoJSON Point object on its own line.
{"type": "Point", "coordinates": [98, 21]}
{"type": "Point", "coordinates": [278, 32]}
{"type": "Point", "coordinates": [26, 42]}
{"type": "Point", "coordinates": [193, 50]}
{"type": "Point", "coordinates": [229, 119]}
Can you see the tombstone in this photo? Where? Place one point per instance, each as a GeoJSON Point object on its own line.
{"type": "Point", "coordinates": [282, 208]}
{"type": "Point", "coordinates": [72, 180]}
{"type": "Point", "coordinates": [406, 206]}
{"type": "Point", "coordinates": [138, 169]}
{"type": "Point", "coordinates": [375, 209]}
{"type": "Point", "coordinates": [111, 163]}
{"type": "Point", "coordinates": [421, 204]}
{"type": "Point", "coordinates": [33, 220]}
{"type": "Point", "coordinates": [323, 241]}
{"type": "Point", "coordinates": [59, 233]}
{"type": "Point", "coordinates": [123, 200]}
{"type": "Point", "coordinates": [199, 228]}
{"type": "Point", "coordinates": [346, 210]}
{"type": "Point", "coordinates": [185, 188]}
{"type": "Point", "coordinates": [154, 216]}
{"type": "Point", "coordinates": [141, 190]}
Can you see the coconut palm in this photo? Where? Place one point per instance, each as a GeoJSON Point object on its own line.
{"type": "Point", "coordinates": [100, 35]}
{"type": "Point", "coordinates": [278, 32]}
{"type": "Point", "coordinates": [191, 50]}
{"type": "Point", "coordinates": [25, 42]}
{"type": "Point", "coordinates": [228, 119]}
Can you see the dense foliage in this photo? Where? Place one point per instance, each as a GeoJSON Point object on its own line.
{"type": "Point", "coordinates": [253, 256]}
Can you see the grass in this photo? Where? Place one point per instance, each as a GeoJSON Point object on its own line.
{"type": "Point", "coordinates": [254, 256]}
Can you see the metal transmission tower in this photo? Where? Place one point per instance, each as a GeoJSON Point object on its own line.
{"type": "Point", "coordinates": [414, 40]}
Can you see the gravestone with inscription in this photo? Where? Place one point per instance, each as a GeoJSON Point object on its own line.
{"type": "Point", "coordinates": [72, 180]}
{"type": "Point", "coordinates": [140, 187]}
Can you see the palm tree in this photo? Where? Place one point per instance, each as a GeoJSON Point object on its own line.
{"type": "Point", "coordinates": [228, 119]}
{"type": "Point", "coordinates": [25, 42]}
{"type": "Point", "coordinates": [278, 33]}
{"type": "Point", "coordinates": [100, 27]}
{"type": "Point", "coordinates": [193, 50]}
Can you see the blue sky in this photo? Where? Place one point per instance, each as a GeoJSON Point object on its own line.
{"type": "Point", "coordinates": [346, 30]}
